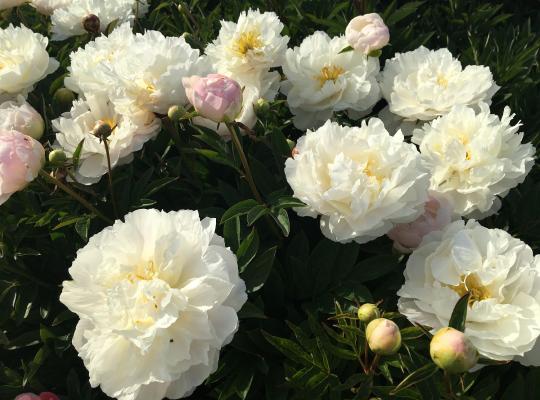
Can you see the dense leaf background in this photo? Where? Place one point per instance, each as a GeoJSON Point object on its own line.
{"type": "Point", "coordinates": [293, 342]}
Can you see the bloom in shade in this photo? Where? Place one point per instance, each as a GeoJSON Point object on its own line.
{"type": "Point", "coordinates": [253, 44]}
{"type": "Point", "coordinates": [383, 336]}
{"type": "Point", "coordinates": [24, 61]}
{"type": "Point", "coordinates": [47, 7]}
{"type": "Point", "coordinates": [367, 33]}
{"type": "Point", "coordinates": [501, 274]}
{"type": "Point", "coordinates": [157, 297]}
{"type": "Point", "coordinates": [70, 20]}
{"type": "Point", "coordinates": [474, 156]}
{"type": "Point", "coordinates": [215, 96]}
{"type": "Point", "coordinates": [27, 396]}
{"type": "Point", "coordinates": [423, 84]}
{"type": "Point", "coordinates": [452, 351]}
{"type": "Point", "coordinates": [21, 116]}
{"type": "Point", "coordinates": [5, 4]}
{"type": "Point", "coordinates": [362, 181]}
{"type": "Point", "coordinates": [127, 135]}
{"type": "Point", "coordinates": [322, 80]}
{"type": "Point", "coordinates": [21, 158]}
{"type": "Point", "coordinates": [438, 212]}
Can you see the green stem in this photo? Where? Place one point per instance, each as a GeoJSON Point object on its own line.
{"type": "Point", "coordinates": [245, 164]}
{"type": "Point", "coordinates": [448, 384]}
{"type": "Point", "coordinates": [76, 196]}
{"type": "Point", "coordinates": [111, 186]}
{"type": "Point", "coordinates": [170, 128]}
{"type": "Point", "coordinates": [374, 363]}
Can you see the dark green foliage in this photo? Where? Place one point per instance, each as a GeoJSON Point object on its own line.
{"type": "Point", "coordinates": [298, 337]}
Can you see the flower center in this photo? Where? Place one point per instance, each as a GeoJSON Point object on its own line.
{"type": "Point", "coordinates": [471, 284]}
{"type": "Point", "coordinates": [442, 81]}
{"type": "Point", "coordinates": [369, 170]}
{"type": "Point", "coordinates": [464, 140]}
{"type": "Point", "coordinates": [247, 41]}
{"type": "Point", "coordinates": [329, 73]}
{"type": "Point", "coordinates": [143, 272]}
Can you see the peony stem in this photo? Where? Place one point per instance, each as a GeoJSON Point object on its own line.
{"type": "Point", "coordinates": [448, 385]}
{"type": "Point", "coordinates": [111, 187]}
{"type": "Point", "coordinates": [245, 164]}
{"type": "Point", "coordinates": [76, 196]}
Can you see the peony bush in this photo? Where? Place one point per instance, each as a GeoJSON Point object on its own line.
{"type": "Point", "coordinates": [159, 161]}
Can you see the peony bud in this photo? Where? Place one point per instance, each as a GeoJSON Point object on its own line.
{"type": "Point", "coordinates": [367, 33]}
{"type": "Point", "coordinates": [5, 4]}
{"type": "Point", "coordinates": [383, 336]}
{"type": "Point", "coordinates": [27, 396]}
{"type": "Point", "coordinates": [22, 117]}
{"type": "Point", "coordinates": [452, 351]}
{"type": "Point", "coordinates": [215, 96]}
{"type": "Point", "coordinates": [102, 130]}
{"type": "Point", "coordinates": [438, 212]}
{"type": "Point", "coordinates": [63, 99]}
{"type": "Point", "coordinates": [21, 158]}
{"type": "Point", "coordinates": [176, 113]}
{"type": "Point", "coordinates": [91, 24]}
{"type": "Point", "coordinates": [48, 396]}
{"type": "Point", "coordinates": [261, 107]}
{"type": "Point", "coordinates": [368, 312]}
{"type": "Point", "coordinates": [57, 156]}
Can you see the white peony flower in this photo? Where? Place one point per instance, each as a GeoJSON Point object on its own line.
{"type": "Point", "coordinates": [24, 61]}
{"type": "Point", "coordinates": [321, 80]}
{"type": "Point", "coordinates": [251, 45]}
{"type": "Point", "coordinates": [71, 20]}
{"type": "Point", "coordinates": [500, 272]}
{"type": "Point", "coordinates": [150, 73]}
{"type": "Point", "coordinates": [128, 135]}
{"type": "Point", "coordinates": [423, 84]}
{"type": "Point", "coordinates": [474, 156]}
{"type": "Point", "coordinates": [47, 7]}
{"type": "Point", "coordinates": [362, 181]}
{"type": "Point", "coordinates": [157, 297]}
{"type": "Point", "coordinates": [395, 123]}
{"type": "Point", "coordinates": [90, 67]}
{"type": "Point", "coordinates": [5, 4]}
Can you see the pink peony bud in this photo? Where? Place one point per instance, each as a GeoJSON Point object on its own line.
{"type": "Point", "coordinates": [452, 351]}
{"type": "Point", "coordinates": [21, 116]}
{"type": "Point", "coordinates": [21, 158]}
{"type": "Point", "coordinates": [215, 96]}
{"type": "Point", "coordinates": [27, 396]}
{"type": "Point", "coordinates": [48, 396]}
{"type": "Point", "coordinates": [383, 336]}
{"type": "Point", "coordinates": [367, 33]}
{"type": "Point", "coordinates": [438, 213]}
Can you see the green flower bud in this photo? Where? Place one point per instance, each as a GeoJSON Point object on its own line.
{"type": "Point", "coordinates": [383, 336]}
{"type": "Point", "coordinates": [102, 130]}
{"type": "Point", "coordinates": [452, 351]}
{"type": "Point", "coordinates": [368, 312]}
{"type": "Point", "coordinates": [57, 156]}
{"type": "Point", "coordinates": [63, 99]}
{"type": "Point", "coordinates": [91, 24]}
{"type": "Point", "coordinates": [261, 107]}
{"type": "Point", "coordinates": [176, 113]}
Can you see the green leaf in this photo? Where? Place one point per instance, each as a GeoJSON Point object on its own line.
{"type": "Point", "coordinates": [290, 349]}
{"type": "Point", "coordinates": [255, 213]}
{"type": "Point", "coordinates": [347, 49]}
{"type": "Point", "coordinates": [287, 202]}
{"type": "Point", "coordinates": [373, 268]}
{"type": "Point", "coordinates": [282, 220]}
{"type": "Point", "coordinates": [257, 272]}
{"type": "Point", "coordinates": [248, 250]}
{"type": "Point", "coordinates": [403, 12]}
{"type": "Point", "coordinates": [459, 314]}
{"type": "Point", "coordinates": [420, 375]}
{"type": "Point", "coordinates": [77, 154]}
{"type": "Point", "coordinates": [241, 208]}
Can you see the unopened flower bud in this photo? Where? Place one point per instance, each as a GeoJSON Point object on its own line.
{"type": "Point", "coordinates": [452, 351]}
{"type": "Point", "coordinates": [22, 117]}
{"type": "Point", "coordinates": [176, 113]}
{"type": "Point", "coordinates": [367, 33]}
{"type": "Point", "coordinates": [27, 396]}
{"type": "Point", "coordinates": [383, 336]}
{"type": "Point", "coordinates": [261, 107]}
{"type": "Point", "coordinates": [91, 24]}
{"type": "Point", "coordinates": [48, 396]}
{"type": "Point", "coordinates": [368, 312]}
{"type": "Point", "coordinates": [102, 130]}
{"type": "Point", "coordinates": [63, 99]}
{"type": "Point", "coordinates": [57, 156]}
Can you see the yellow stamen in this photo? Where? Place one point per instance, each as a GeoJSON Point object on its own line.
{"type": "Point", "coordinates": [329, 73]}
{"type": "Point", "coordinates": [471, 284]}
{"type": "Point", "coordinates": [442, 81]}
{"type": "Point", "coordinates": [246, 42]}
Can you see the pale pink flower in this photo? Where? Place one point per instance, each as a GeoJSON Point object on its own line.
{"type": "Point", "coordinates": [22, 117]}
{"type": "Point", "coordinates": [383, 336]}
{"type": "Point", "coordinates": [452, 351]}
{"type": "Point", "coordinates": [21, 158]}
{"type": "Point", "coordinates": [27, 396]}
{"type": "Point", "coordinates": [407, 237]}
{"type": "Point", "coordinates": [215, 96]}
{"type": "Point", "coordinates": [367, 33]}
